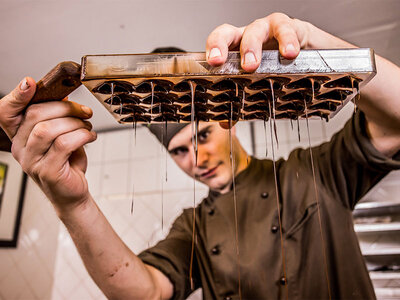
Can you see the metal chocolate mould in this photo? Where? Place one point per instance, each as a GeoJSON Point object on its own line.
{"type": "Point", "coordinates": [163, 87]}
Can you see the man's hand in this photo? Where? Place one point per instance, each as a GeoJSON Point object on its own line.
{"type": "Point", "coordinates": [379, 99]}
{"type": "Point", "coordinates": [266, 33]}
{"type": "Point", "coordinates": [272, 32]}
{"type": "Point", "coordinates": [47, 140]}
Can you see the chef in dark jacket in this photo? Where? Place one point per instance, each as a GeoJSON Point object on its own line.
{"type": "Point", "coordinates": [305, 250]}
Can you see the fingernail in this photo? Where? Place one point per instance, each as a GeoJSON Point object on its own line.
{"type": "Point", "coordinates": [289, 48]}
{"type": "Point", "coordinates": [88, 125]}
{"type": "Point", "coordinates": [215, 52]}
{"type": "Point", "coordinates": [249, 58]}
{"type": "Point", "coordinates": [86, 110]}
{"type": "Point", "coordinates": [24, 85]}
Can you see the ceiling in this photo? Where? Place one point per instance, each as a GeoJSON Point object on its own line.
{"type": "Point", "coordinates": [37, 35]}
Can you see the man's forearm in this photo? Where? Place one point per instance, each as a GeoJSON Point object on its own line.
{"type": "Point", "coordinates": [380, 101]}
{"type": "Point", "coordinates": [380, 98]}
{"type": "Point", "coordinates": [116, 270]}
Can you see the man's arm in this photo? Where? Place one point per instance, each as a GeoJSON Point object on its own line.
{"type": "Point", "coordinates": [380, 99]}
{"type": "Point", "coordinates": [47, 140]}
{"type": "Point", "coordinates": [116, 270]}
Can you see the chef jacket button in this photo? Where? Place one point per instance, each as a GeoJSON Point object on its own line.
{"type": "Point", "coordinates": [283, 281]}
{"type": "Point", "coordinates": [274, 229]}
{"type": "Point", "coordinates": [264, 195]}
{"type": "Point", "coordinates": [215, 250]}
{"type": "Point", "coordinates": [211, 211]}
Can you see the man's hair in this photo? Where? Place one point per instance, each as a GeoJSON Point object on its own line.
{"type": "Point", "coordinates": [167, 50]}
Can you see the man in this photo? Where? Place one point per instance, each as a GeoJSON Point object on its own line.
{"type": "Point", "coordinates": [48, 139]}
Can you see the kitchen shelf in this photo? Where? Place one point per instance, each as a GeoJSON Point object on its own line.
{"type": "Point", "coordinates": [369, 209]}
{"type": "Point", "coordinates": [387, 293]}
{"type": "Point", "coordinates": [377, 227]}
{"type": "Point", "coordinates": [379, 275]}
{"type": "Point", "coordinates": [382, 252]}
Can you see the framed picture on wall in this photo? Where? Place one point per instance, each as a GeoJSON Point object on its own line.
{"type": "Point", "coordinates": [3, 176]}
{"type": "Point", "coordinates": [12, 191]}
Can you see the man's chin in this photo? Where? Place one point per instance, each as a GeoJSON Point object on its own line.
{"type": "Point", "coordinates": [216, 185]}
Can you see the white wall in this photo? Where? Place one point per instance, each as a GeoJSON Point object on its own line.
{"type": "Point", "coordinates": [27, 272]}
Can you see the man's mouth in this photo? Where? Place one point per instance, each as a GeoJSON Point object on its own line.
{"type": "Point", "coordinates": [209, 173]}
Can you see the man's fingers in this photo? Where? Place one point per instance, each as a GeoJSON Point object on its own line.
{"type": "Point", "coordinates": [275, 29]}
{"type": "Point", "coordinates": [64, 146]}
{"type": "Point", "coordinates": [254, 36]}
{"type": "Point", "coordinates": [78, 159]}
{"type": "Point", "coordinates": [282, 29]}
{"type": "Point", "coordinates": [271, 31]}
{"type": "Point", "coordinates": [221, 39]}
{"type": "Point", "coordinates": [13, 104]}
{"type": "Point", "coordinates": [41, 112]}
{"type": "Point", "coordinates": [44, 133]}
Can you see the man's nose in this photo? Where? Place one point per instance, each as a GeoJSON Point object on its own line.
{"type": "Point", "coordinates": [202, 157]}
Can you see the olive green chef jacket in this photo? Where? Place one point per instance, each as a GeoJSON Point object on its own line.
{"type": "Point", "coordinates": [346, 168]}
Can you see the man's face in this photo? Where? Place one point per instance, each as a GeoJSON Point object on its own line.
{"type": "Point", "coordinates": [213, 160]}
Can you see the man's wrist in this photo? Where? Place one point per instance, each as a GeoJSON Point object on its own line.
{"type": "Point", "coordinates": [70, 210]}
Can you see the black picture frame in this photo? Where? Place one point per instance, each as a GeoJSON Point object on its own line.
{"type": "Point", "coordinates": [11, 212]}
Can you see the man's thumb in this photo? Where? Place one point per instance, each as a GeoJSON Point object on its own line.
{"type": "Point", "coordinates": [19, 98]}
{"type": "Point", "coordinates": [13, 104]}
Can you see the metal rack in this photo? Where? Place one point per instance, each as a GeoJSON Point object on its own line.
{"type": "Point", "coordinates": [377, 225]}
{"type": "Point", "coordinates": [393, 227]}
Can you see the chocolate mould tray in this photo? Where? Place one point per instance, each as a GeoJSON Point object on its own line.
{"type": "Point", "coordinates": [163, 87]}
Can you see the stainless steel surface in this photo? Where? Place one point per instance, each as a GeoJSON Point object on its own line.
{"type": "Point", "coordinates": [156, 87]}
{"type": "Point", "coordinates": [368, 209]}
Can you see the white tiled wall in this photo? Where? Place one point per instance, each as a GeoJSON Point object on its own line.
{"type": "Point", "coordinates": [122, 169]}
{"type": "Point", "coordinates": [27, 272]}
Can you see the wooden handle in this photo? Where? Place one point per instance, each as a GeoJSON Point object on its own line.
{"type": "Point", "coordinates": [61, 81]}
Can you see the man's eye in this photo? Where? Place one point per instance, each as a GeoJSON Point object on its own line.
{"type": "Point", "coordinates": [203, 136]}
{"type": "Point", "coordinates": [179, 151]}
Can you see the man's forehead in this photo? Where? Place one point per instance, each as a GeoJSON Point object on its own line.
{"type": "Point", "coordinates": [184, 136]}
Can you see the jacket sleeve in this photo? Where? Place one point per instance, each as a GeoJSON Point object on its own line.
{"type": "Point", "coordinates": [349, 165]}
{"type": "Point", "coordinates": [172, 255]}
